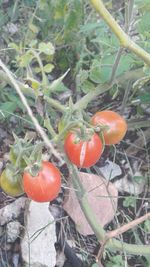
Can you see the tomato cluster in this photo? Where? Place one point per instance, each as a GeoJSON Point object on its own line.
{"type": "Point", "coordinates": [83, 147]}
{"type": "Point", "coordinates": [42, 187]}
{"type": "Point", "coordinates": [84, 153]}
{"type": "Point", "coordinates": [41, 181]}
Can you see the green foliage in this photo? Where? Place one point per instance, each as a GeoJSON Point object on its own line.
{"type": "Point", "coordinates": [147, 226]}
{"type": "Point", "coordinates": [129, 201]}
{"type": "Point", "coordinates": [115, 261]}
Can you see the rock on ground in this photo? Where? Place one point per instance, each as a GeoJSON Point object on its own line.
{"type": "Point", "coordinates": [37, 245]}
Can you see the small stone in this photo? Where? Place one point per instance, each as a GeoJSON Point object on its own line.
{"type": "Point", "coordinates": [40, 237]}
{"type": "Point", "coordinates": [13, 231]}
{"type": "Point", "coordinates": [12, 211]}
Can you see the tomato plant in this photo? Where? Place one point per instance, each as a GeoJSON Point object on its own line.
{"type": "Point", "coordinates": [11, 182]}
{"type": "Point", "coordinates": [45, 185]}
{"type": "Point", "coordinates": [83, 152]}
{"type": "Point", "coordinates": [116, 126]}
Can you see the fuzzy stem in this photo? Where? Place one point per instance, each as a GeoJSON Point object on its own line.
{"type": "Point", "coordinates": [55, 104]}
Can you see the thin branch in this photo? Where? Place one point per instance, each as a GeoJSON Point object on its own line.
{"type": "Point", "coordinates": [116, 64]}
{"type": "Point", "coordinates": [30, 113]}
{"type": "Point", "coordinates": [128, 226]}
{"type": "Point", "coordinates": [128, 17]}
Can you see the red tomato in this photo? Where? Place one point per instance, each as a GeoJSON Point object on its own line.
{"type": "Point", "coordinates": [83, 153]}
{"type": "Point", "coordinates": [117, 126]}
{"type": "Point", "coordinates": [45, 186]}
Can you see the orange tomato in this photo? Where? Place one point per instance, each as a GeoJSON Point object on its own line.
{"type": "Point", "coordinates": [116, 126]}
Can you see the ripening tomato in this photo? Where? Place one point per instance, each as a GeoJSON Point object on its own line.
{"type": "Point", "coordinates": [45, 186]}
{"type": "Point", "coordinates": [11, 182]}
{"type": "Point", "coordinates": [117, 126]}
{"type": "Point", "coordinates": [83, 153]}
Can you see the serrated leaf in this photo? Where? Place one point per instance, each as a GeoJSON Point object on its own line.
{"type": "Point", "coordinates": [87, 86]}
{"type": "Point", "coordinates": [48, 68]}
{"type": "Point", "coordinates": [95, 71]}
{"type": "Point", "coordinates": [46, 48]}
{"type": "Point", "coordinates": [25, 60]}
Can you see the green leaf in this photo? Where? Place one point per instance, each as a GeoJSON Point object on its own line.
{"type": "Point", "coordinates": [143, 5]}
{"type": "Point", "coordinates": [14, 46]}
{"type": "Point", "coordinates": [33, 43]}
{"type": "Point", "coordinates": [57, 84]}
{"type": "Point", "coordinates": [116, 261]}
{"type": "Point", "coordinates": [48, 68]}
{"type": "Point", "coordinates": [46, 48]}
{"type": "Point", "coordinates": [59, 88]}
{"type": "Point", "coordinates": [33, 28]}
{"type": "Point", "coordinates": [147, 226]}
{"type": "Point", "coordinates": [87, 86]}
{"type": "Point", "coordinates": [138, 179]}
{"type": "Point", "coordinates": [25, 60]}
{"type": "Point", "coordinates": [89, 27]}
{"type": "Point", "coordinates": [95, 71]}
{"type": "Point", "coordinates": [7, 108]}
{"type": "Point", "coordinates": [101, 71]}
{"type": "Point", "coordinates": [129, 202]}
{"type": "Point", "coordinates": [144, 23]}
{"type": "Point", "coordinates": [145, 98]}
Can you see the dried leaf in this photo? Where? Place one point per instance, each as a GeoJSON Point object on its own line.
{"type": "Point", "coordinates": [102, 197]}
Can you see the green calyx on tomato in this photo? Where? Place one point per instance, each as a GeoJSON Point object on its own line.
{"type": "Point", "coordinates": [44, 186]}
{"type": "Point", "coordinates": [19, 150]}
{"type": "Point", "coordinates": [81, 151]}
{"type": "Point", "coordinates": [14, 157]}
{"type": "Point", "coordinates": [11, 182]}
{"type": "Point", "coordinates": [112, 126]}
